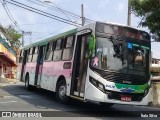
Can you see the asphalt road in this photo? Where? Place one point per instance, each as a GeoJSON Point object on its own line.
{"type": "Point", "coordinates": [15, 97]}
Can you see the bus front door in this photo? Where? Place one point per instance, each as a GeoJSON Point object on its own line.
{"type": "Point", "coordinates": [39, 66]}
{"type": "Point", "coordinates": [80, 66]}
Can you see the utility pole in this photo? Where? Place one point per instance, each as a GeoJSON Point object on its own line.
{"type": "Point", "coordinates": [25, 33]}
{"type": "Point", "coordinates": [129, 15]}
{"type": "Point", "coordinates": [22, 38]}
{"type": "Point", "coordinates": [82, 14]}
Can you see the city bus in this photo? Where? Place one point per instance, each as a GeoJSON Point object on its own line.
{"type": "Point", "coordinates": [102, 62]}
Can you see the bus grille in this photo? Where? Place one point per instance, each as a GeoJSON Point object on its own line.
{"type": "Point", "coordinates": [124, 78]}
{"type": "Point", "coordinates": [117, 96]}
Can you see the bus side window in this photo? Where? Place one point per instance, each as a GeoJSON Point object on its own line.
{"type": "Point", "coordinates": [49, 52]}
{"type": "Point", "coordinates": [68, 48]}
{"type": "Point", "coordinates": [21, 56]}
{"type": "Point", "coordinates": [27, 55]}
{"type": "Point", "coordinates": [35, 54]}
{"type": "Point", "coordinates": [30, 55]}
{"type": "Point", "coordinates": [58, 50]}
{"type": "Point", "coordinates": [58, 44]}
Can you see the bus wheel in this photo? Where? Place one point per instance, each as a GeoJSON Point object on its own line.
{"type": "Point", "coordinates": [27, 86]}
{"type": "Point", "coordinates": [106, 104]}
{"type": "Point", "coordinates": [61, 91]}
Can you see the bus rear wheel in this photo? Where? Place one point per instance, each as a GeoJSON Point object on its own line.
{"type": "Point", "coordinates": [106, 104]}
{"type": "Point", "coordinates": [61, 91]}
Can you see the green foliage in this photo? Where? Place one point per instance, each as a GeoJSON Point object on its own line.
{"type": "Point", "coordinates": [149, 11]}
{"type": "Point", "coordinates": [14, 37]}
{"type": "Point", "coordinates": [155, 69]}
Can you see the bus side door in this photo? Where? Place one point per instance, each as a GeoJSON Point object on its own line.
{"type": "Point", "coordinates": [39, 65]}
{"type": "Point", "coordinates": [80, 64]}
{"type": "Point", "coordinates": [24, 59]}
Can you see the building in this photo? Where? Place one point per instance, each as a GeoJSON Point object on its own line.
{"type": "Point", "coordinates": [155, 69]}
{"type": "Point", "coordinates": [7, 57]}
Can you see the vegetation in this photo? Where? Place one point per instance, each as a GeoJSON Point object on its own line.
{"type": "Point", "coordinates": [149, 11]}
{"type": "Point", "coordinates": [14, 37]}
{"type": "Point", "coordinates": [155, 69]}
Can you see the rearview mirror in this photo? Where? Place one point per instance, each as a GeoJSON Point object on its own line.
{"type": "Point", "coordinates": [92, 44]}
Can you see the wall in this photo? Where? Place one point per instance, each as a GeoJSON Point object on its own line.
{"type": "Point", "coordinates": [7, 52]}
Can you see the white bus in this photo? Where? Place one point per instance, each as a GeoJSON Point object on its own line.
{"type": "Point", "coordinates": [102, 62]}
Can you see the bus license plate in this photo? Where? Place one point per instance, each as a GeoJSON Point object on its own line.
{"type": "Point", "coordinates": [126, 98]}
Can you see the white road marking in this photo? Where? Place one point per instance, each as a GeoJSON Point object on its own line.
{"type": "Point", "coordinates": [8, 102]}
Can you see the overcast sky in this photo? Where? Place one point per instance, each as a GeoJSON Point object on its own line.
{"type": "Point", "coordinates": [43, 27]}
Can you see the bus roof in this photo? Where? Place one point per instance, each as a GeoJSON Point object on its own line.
{"type": "Point", "coordinates": [45, 41]}
{"type": "Point", "coordinates": [117, 24]}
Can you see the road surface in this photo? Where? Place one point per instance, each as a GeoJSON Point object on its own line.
{"type": "Point", "coordinates": [15, 97]}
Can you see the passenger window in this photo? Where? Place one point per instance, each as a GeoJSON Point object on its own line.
{"type": "Point", "coordinates": [36, 50]}
{"type": "Point", "coordinates": [35, 54]}
{"type": "Point", "coordinates": [58, 50]}
{"type": "Point", "coordinates": [49, 52]}
{"type": "Point", "coordinates": [31, 50]}
{"type": "Point", "coordinates": [70, 42]}
{"type": "Point", "coordinates": [58, 44]}
{"type": "Point", "coordinates": [68, 48]}
{"type": "Point", "coordinates": [57, 55]}
{"type": "Point", "coordinates": [21, 56]}
{"type": "Point", "coordinates": [29, 55]}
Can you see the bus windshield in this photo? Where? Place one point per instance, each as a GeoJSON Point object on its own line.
{"type": "Point", "coordinates": [121, 56]}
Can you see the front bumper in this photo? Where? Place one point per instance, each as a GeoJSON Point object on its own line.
{"type": "Point", "coordinates": [94, 94]}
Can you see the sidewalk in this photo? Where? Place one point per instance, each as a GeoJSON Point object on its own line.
{"type": "Point", "coordinates": [7, 81]}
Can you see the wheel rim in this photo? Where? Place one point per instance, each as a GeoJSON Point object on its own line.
{"type": "Point", "coordinates": [62, 91]}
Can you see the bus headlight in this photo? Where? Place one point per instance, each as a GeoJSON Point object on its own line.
{"type": "Point", "coordinates": [97, 84]}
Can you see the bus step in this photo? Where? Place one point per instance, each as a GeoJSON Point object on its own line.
{"type": "Point", "coordinates": [77, 94]}
{"type": "Point", "coordinates": [38, 86]}
{"type": "Point", "coordinates": [81, 94]}
{"type": "Point", "coordinates": [76, 97]}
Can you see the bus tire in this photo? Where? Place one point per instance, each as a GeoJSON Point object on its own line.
{"type": "Point", "coordinates": [27, 86]}
{"type": "Point", "coordinates": [106, 104]}
{"type": "Point", "coordinates": [61, 90]}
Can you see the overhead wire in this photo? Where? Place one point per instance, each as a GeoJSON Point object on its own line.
{"type": "Point", "coordinates": [37, 23]}
{"type": "Point", "coordinates": [54, 32]}
{"type": "Point", "coordinates": [10, 15]}
{"type": "Point", "coordinates": [43, 4]}
{"type": "Point", "coordinates": [58, 8]}
{"type": "Point", "coordinates": [12, 19]}
{"type": "Point", "coordinates": [21, 5]}
{"type": "Point", "coordinates": [68, 13]}
{"type": "Point", "coordinates": [42, 12]}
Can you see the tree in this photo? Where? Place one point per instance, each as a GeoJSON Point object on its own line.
{"type": "Point", "coordinates": [14, 37]}
{"type": "Point", "coordinates": [149, 11]}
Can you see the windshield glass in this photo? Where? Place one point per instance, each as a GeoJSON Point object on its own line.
{"type": "Point", "coordinates": [138, 58]}
{"type": "Point", "coordinates": [119, 55]}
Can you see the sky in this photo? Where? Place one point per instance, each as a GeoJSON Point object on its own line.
{"type": "Point", "coordinates": [114, 11]}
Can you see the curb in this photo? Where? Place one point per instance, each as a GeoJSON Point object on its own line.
{"type": "Point", "coordinates": [2, 85]}
{"type": "Point", "coordinates": [5, 82]}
